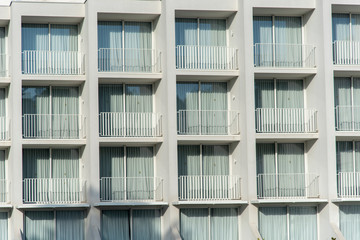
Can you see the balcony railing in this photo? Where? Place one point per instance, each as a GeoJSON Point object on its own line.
{"type": "Point", "coordinates": [348, 184]}
{"type": "Point", "coordinates": [53, 190]}
{"type": "Point", "coordinates": [53, 126]}
{"type": "Point", "coordinates": [287, 185]}
{"type": "Point", "coordinates": [284, 55]}
{"type": "Point", "coordinates": [206, 57]}
{"type": "Point", "coordinates": [114, 189]}
{"type": "Point", "coordinates": [4, 191]}
{"type": "Point", "coordinates": [208, 122]}
{"type": "Point", "coordinates": [129, 60]}
{"type": "Point", "coordinates": [286, 120]}
{"type": "Point", "coordinates": [4, 128]}
{"type": "Point", "coordinates": [130, 124]}
{"type": "Point", "coordinates": [347, 118]}
{"type": "Point", "coordinates": [198, 188]}
{"type": "Point", "coordinates": [346, 52]}
{"type": "Point", "coordinates": [52, 62]}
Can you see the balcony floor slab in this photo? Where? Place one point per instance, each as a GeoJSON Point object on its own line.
{"type": "Point", "coordinates": [128, 77]}
{"type": "Point", "coordinates": [209, 203]}
{"type": "Point", "coordinates": [54, 142]}
{"type": "Point", "coordinates": [129, 141]}
{"type": "Point", "coordinates": [67, 80]}
{"type": "Point", "coordinates": [346, 70]}
{"type": "Point", "coordinates": [347, 135]}
{"type": "Point", "coordinates": [209, 139]}
{"type": "Point", "coordinates": [129, 204]}
{"type": "Point", "coordinates": [345, 200]}
{"type": "Point", "coordinates": [53, 206]}
{"type": "Point", "coordinates": [206, 75]}
{"type": "Point", "coordinates": [289, 201]}
{"type": "Point", "coordinates": [287, 137]}
{"type": "Point", "coordinates": [283, 73]}
{"type": "Point", "coordinates": [6, 206]}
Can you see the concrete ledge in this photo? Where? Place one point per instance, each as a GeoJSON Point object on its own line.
{"type": "Point", "coordinates": [283, 73]}
{"type": "Point", "coordinates": [127, 204]}
{"type": "Point", "coordinates": [289, 201]}
{"type": "Point", "coordinates": [209, 203]}
{"type": "Point", "coordinates": [54, 142]}
{"type": "Point", "coordinates": [347, 135]}
{"type": "Point", "coordinates": [128, 77]}
{"type": "Point", "coordinates": [345, 200]}
{"type": "Point", "coordinates": [129, 141]}
{"type": "Point", "coordinates": [206, 75]}
{"type": "Point", "coordinates": [213, 139]}
{"type": "Point", "coordinates": [6, 206]}
{"type": "Point", "coordinates": [53, 206]}
{"type": "Point", "coordinates": [286, 137]}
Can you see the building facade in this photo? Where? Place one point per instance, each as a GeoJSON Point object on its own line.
{"type": "Point", "coordinates": [135, 119]}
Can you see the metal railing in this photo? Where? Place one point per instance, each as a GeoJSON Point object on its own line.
{"type": "Point", "coordinates": [53, 190]}
{"type": "Point", "coordinates": [4, 129]}
{"type": "Point", "coordinates": [346, 52]}
{"type": "Point", "coordinates": [208, 122]}
{"type": "Point", "coordinates": [197, 188]}
{"type": "Point", "coordinates": [286, 120]}
{"type": "Point", "coordinates": [114, 189]}
{"type": "Point", "coordinates": [130, 124]}
{"type": "Point", "coordinates": [52, 62]}
{"type": "Point", "coordinates": [347, 118]}
{"type": "Point", "coordinates": [287, 185]}
{"type": "Point", "coordinates": [53, 126]}
{"type": "Point", "coordinates": [206, 57]}
{"type": "Point", "coordinates": [129, 60]}
{"type": "Point", "coordinates": [348, 184]}
{"type": "Point", "coordinates": [284, 55]}
{"type": "Point", "coordinates": [4, 191]}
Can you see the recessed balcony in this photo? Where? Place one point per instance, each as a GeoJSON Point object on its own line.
{"type": "Point", "coordinates": [348, 184]}
{"type": "Point", "coordinates": [207, 187]}
{"type": "Point", "coordinates": [287, 185]}
{"type": "Point", "coordinates": [117, 189]}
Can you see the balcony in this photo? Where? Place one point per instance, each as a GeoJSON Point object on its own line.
{"type": "Point", "coordinates": [116, 189]}
{"type": "Point", "coordinates": [52, 62]}
{"type": "Point", "coordinates": [269, 55]}
{"type": "Point", "coordinates": [3, 65]}
{"type": "Point", "coordinates": [4, 129]}
{"type": "Point", "coordinates": [53, 190]}
{"type": "Point", "coordinates": [125, 124]}
{"type": "Point", "coordinates": [53, 126]}
{"type": "Point", "coordinates": [129, 60]}
{"type": "Point", "coordinates": [4, 191]}
{"type": "Point", "coordinates": [348, 184]}
{"type": "Point", "coordinates": [286, 120]}
{"type": "Point", "coordinates": [289, 185]}
{"type": "Point", "coordinates": [198, 188]}
{"type": "Point", "coordinates": [208, 122]}
{"type": "Point", "coordinates": [206, 58]}
{"type": "Point", "coordinates": [347, 118]}
{"type": "Point", "coordinates": [346, 53]}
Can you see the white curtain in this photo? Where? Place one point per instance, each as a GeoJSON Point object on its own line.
{"type": "Point", "coordinates": [65, 112]}
{"type": "Point", "coordinates": [64, 57]}
{"type": "Point", "coordinates": [273, 223]}
{"type": "Point", "coordinates": [111, 108]}
{"type": "Point", "coordinates": [70, 225]}
{"type": "Point", "coordinates": [186, 39]}
{"type": "Point", "coordinates": [187, 96]}
{"type": "Point", "coordinates": [194, 224]}
{"type": "Point", "coordinates": [140, 173]}
{"type": "Point", "coordinates": [35, 47]}
{"type": "Point", "coordinates": [112, 164]}
{"type": "Point", "coordinates": [215, 160]}
{"type": "Point", "coordinates": [35, 110]}
{"type": "Point", "coordinates": [39, 225]}
{"type": "Point", "coordinates": [138, 47]}
{"type": "Point", "coordinates": [110, 46]}
{"type": "Point", "coordinates": [3, 70]}
{"type": "Point", "coordinates": [214, 115]}
{"type": "Point", "coordinates": [350, 221]}
{"type": "Point", "coordinates": [263, 39]}
{"type": "Point", "coordinates": [224, 224]}
{"type": "Point", "coordinates": [290, 94]}
{"type": "Point", "coordinates": [189, 160]}
{"type": "Point", "coordinates": [266, 169]}
{"type": "Point", "coordinates": [146, 224]}
{"type": "Point", "coordinates": [138, 103]}
{"type": "Point", "coordinates": [343, 105]}
{"type": "Point", "coordinates": [3, 225]}
{"type": "Point", "coordinates": [288, 48]}
{"type": "Point", "coordinates": [115, 225]}
{"type": "Point", "coordinates": [303, 223]}
{"type": "Point", "coordinates": [65, 163]}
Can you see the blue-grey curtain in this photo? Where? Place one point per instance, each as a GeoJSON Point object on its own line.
{"type": "Point", "coordinates": [36, 163]}
{"type": "Point", "coordinates": [65, 163]}
{"type": "Point", "coordinates": [343, 104]}
{"type": "Point", "coordinates": [146, 224]}
{"type": "Point", "coordinates": [350, 221]}
{"type": "Point", "coordinates": [3, 70]}
{"type": "Point", "coordinates": [266, 169]}
{"type": "Point", "coordinates": [112, 164]}
{"type": "Point", "coordinates": [224, 224]}
{"type": "Point", "coordinates": [263, 39]}
{"type": "Point", "coordinates": [340, 27]}
{"type": "Point", "coordinates": [303, 223]}
{"type": "Point", "coordinates": [273, 223]}
{"type": "Point", "coordinates": [187, 96]}
{"type": "Point", "coordinates": [65, 112]}
{"type": "Point", "coordinates": [115, 225]}
{"type": "Point", "coordinates": [189, 160]}
{"type": "Point", "coordinates": [70, 225]}
{"type": "Point", "coordinates": [186, 40]}
{"type": "Point", "coordinates": [194, 224]}
{"type": "Point", "coordinates": [3, 225]}
{"type": "Point", "coordinates": [110, 46]}
{"type": "Point", "coordinates": [39, 225]}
